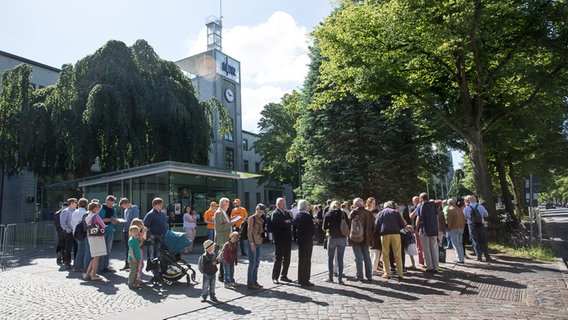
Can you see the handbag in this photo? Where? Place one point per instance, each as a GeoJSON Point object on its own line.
{"type": "Point", "coordinates": [93, 229]}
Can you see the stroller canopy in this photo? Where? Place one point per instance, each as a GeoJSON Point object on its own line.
{"type": "Point", "coordinates": [176, 241]}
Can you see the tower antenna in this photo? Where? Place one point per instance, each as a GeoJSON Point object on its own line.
{"type": "Point", "coordinates": [221, 13]}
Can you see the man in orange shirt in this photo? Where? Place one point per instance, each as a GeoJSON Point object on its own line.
{"type": "Point", "coordinates": [208, 218]}
{"type": "Point", "coordinates": [242, 212]}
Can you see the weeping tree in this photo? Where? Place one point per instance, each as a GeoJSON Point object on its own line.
{"type": "Point", "coordinates": [119, 107]}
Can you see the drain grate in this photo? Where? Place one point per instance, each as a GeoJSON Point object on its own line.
{"type": "Point", "coordinates": [497, 292]}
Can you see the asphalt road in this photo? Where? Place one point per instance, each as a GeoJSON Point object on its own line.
{"type": "Point", "coordinates": [555, 230]}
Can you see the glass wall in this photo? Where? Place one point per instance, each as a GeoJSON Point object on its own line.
{"type": "Point", "coordinates": [177, 189]}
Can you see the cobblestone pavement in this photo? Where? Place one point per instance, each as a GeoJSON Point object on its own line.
{"type": "Point", "coordinates": [506, 289]}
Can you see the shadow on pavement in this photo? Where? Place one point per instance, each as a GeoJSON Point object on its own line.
{"type": "Point", "coordinates": [292, 297]}
{"type": "Point", "coordinates": [227, 307]}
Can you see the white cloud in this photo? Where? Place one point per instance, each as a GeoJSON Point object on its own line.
{"type": "Point", "coordinates": [256, 99]}
{"type": "Point", "coordinates": [273, 58]}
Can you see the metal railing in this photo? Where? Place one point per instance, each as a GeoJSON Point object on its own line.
{"type": "Point", "coordinates": [21, 236]}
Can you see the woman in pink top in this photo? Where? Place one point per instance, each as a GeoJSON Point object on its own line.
{"type": "Point", "coordinates": [96, 243]}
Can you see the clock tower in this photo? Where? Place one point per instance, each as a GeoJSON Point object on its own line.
{"type": "Point", "coordinates": [215, 74]}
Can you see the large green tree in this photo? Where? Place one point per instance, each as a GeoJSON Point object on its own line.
{"type": "Point", "coordinates": [119, 107]}
{"type": "Point", "coordinates": [468, 63]}
{"type": "Point", "coordinates": [277, 134]}
{"type": "Point", "coordinates": [354, 147]}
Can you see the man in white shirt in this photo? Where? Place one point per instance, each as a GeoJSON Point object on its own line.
{"type": "Point", "coordinates": [66, 224]}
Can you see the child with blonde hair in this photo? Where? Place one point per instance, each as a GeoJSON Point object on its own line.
{"type": "Point", "coordinates": [133, 256]}
{"type": "Point", "coordinates": [141, 237]}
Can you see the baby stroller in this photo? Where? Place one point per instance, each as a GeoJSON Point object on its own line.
{"type": "Point", "coordinates": [169, 262]}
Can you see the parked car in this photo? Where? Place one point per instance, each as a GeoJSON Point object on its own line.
{"type": "Point", "coordinates": [550, 206]}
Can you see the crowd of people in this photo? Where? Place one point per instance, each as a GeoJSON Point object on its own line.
{"type": "Point", "coordinates": [380, 236]}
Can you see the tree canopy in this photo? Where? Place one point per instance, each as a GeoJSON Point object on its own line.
{"type": "Point", "coordinates": [119, 107]}
{"type": "Point", "coordinates": [471, 64]}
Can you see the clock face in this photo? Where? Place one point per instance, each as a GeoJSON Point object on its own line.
{"type": "Point", "coordinates": [230, 95]}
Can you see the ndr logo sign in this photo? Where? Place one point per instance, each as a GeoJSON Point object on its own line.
{"type": "Point", "coordinates": [229, 69]}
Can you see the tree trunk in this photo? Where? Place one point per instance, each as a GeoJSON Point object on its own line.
{"type": "Point", "coordinates": [481, 171]}
{"type": "Point", "coordinates": [518, 188]}
{"type": "Point", "coordinates": [507, 197]}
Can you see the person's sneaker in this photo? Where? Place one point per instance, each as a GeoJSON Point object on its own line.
{"type": "Point", "coordinates": [328, 280]}
{"type": "Point", "coordinates": [275, 281]}
{"type": "Point", "coordinates": [126, 267]}
{"type": "Point", "coordinates": [285, 279]}
{"type": "Point", "coordinates": [234, 284]}
{"type": "Point", "coordinates": [203, 299]}
{"type": "Point", "coordinates": [259, 286]}
{"type": "Point", "coordinates": [228, 286]}
{"type": "Point", "coordinates": [214, 299]}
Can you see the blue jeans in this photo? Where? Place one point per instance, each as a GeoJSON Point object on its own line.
{"type": "Point", "coordinates": [449, 240]}
{"type": "Point", "coordinates": [104, 262]}
{"type": "Point", "coordinates": [229, 269]}
{"type": "Point", "coordinates": [479, 241]}
{"type": "Point", "coordinates": [362, 255]}
{"type": "Point", "coordinates": [254, 262]}
{"type": "Point", "coordinates": [80, 257]}
{"type": "Point", "coordinates": [211, 234]}
{"type": "Point", "coordinates": [456, 235]}
{"type": "Point", "coordinates": [332, 245]}
{"type": "Point", "coordinates": [208, 286]}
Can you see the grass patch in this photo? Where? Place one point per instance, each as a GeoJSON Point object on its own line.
{"type": "Point", "coordinates": [535, 252]}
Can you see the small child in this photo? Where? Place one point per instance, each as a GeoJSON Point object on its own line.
{"type": "Point", "coordinates": [142, 237]}
{"type": "Point", "coordinates": [133, 256]}
{"type": "Point", "coordinates": [230, 260]}
{"type": "Point", "coordinates": [207, 265]}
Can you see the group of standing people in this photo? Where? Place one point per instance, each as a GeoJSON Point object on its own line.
{"type": "Point", "coordinates": [86, 230]}
{"type": "Point", "coordinates": [416, 230]}
{"type": "Point", "coordinates": [89, 227]}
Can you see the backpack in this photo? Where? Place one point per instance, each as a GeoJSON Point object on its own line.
{"type": "Point", "coordinates": [57, 222]}
{"type": "Point", "coordinates": [356, 231]}
{"type": "Point", "coordinates": [344, 227]}
{"type": "Point", "coordinates": [243, 232]}
{"type": "Point", "coordinates": [80, 230]}
{"type": "Point", "coordinates": [475, 215]}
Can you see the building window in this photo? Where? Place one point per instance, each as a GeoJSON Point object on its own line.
{"type": "Point", "coordinates": [229, 158]}
{"type": "Point", "coordinates": [246, 166]}
{"type": "Point", "coordinates": [247, 200]}
{"type": "Point", "coordinates": [245, 144]}
{"type": "Point", "coordinates": [257, 167]}
{"type": "Point", "coordinates": [229, 136]}
{"type": "Point", "coordinates": [258, 198]}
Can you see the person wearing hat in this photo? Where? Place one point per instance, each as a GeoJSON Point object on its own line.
{"type": "Point", "coordinates": [229, 258]}
{"type": "Point", "coordinates": [241, 212]}
{"type": "Point", "coordinates": [208, 218]}
{"type": "Point", "coordinates": [255, 225]}
{"type": "Point", "coordinates": [207, 265]}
